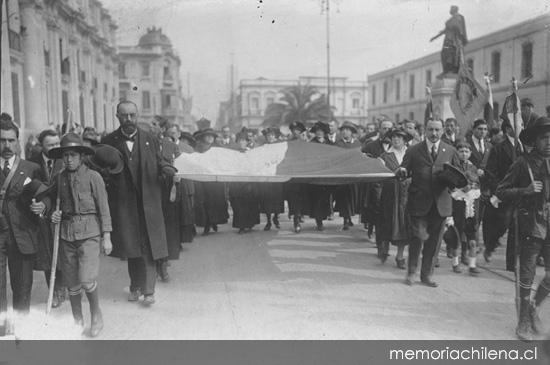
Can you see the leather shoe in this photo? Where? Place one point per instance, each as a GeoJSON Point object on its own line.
{"type": "Point", "coordinates": [409, 280]}
{"type": "Point", "coordinates": [428, 282]}
{"type": "Point", "coordinates": [457, 269]}
{"type": "Point", "coordinates": [297, 228]}
{"type": "Point", "coordinates": [401, 263]}
{"type": "Point", "coordinates": [474, 271]}
{"type": "Point", "coordinates": [149, 300]}
{"type": "Point", "coordinates": [487, 256]}
{"type": "Point", "coordinates": [267, 227]}
{"type": "Point", "coordinates": [134, 295]}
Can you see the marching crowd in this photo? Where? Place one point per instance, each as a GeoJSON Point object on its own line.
{"type": "Point", "coordinates": [121, 195]}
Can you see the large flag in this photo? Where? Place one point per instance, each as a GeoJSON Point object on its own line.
{"type": "Point", "coordinates": [468, 99]}
{"type": "Point", "coordinates": [511, 112]}
{"type": "Point", "coordinates": [279, 162]}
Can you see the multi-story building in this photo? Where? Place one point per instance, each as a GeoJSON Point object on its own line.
{"type": "Point", "coordinates": [520, 51]}
{"type": "Point", "coordinates": [149, 75]}
{"type": "Point", "coordinates": [59, 64]}
{"type": "Point", "coordinates": [347, 98]}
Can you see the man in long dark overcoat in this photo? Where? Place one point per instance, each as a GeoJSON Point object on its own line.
{"type": "Point", "coordinates": [135, 202]}
{"type": "Point", "coordinates": [429, 201]}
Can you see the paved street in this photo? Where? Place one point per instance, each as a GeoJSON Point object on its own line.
{"type": "Point", "coordinates": [280, 285]}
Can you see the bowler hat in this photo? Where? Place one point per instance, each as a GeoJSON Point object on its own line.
{"type": "Point", "coordinates": [320, 126]}
{"type": "Point", "coordinates": [70, 141]}
{"type": "Point", "coordinates": [452, 177]}
{"type": "Point", "coordinates": [106, 158]}
{"type": "Point", "coordinates": [349, 125]}
{"type": "Point", "coordinates": [539, 126]}
{"type": "Point", "coordinates": [399, 132]}
{"type": "Point", "coordinates": [204, 132]}
{"type": "Point", "coordinates": [297, 125]}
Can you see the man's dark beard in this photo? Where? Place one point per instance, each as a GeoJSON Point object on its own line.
{"type": "Point", "coordinates": [129, 128]}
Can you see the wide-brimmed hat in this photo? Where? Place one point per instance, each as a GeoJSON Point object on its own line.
{"type": "Point", "coordinates": [188, 137]}
{"type": "Point", "coordinates": [106, 158]}
{"type": "Point", "coordinates": [349, 125]}
{"type": "Point", "coordinates": [539, 126]}
{"type": "Point", "coordinates": [274, 130]}
{"type": "Point", "coordinates": [297, 125]}
{"type": "Point", "coordinates": [399, 132]}
{"type": "Point", "coordinates": [70, 141]}
{"type": "Point", "coordinates": [452, 177]}
{"type": "Point", "coordinates": [205, 132]}
{"type": "Point", "coordinates": [91, 135]}
{"type": "Point", "coordinates": [320, 126]}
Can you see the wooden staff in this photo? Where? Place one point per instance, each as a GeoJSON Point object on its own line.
{"type": "Point", "coordinates": [55, 252]}
{"type": "Point", "coordinates": [515, 214]}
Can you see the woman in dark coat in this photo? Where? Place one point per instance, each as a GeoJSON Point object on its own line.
{"type": "Point", "coordinates": [395, 221]}
{"type": "Point", "coordinates": [271, 194]}
{"type": "Point", "coordinates": [319, 195]}
{"type": "Point", "coordinates": [210, 200]}
{"type": "Point", "coordinates": [243, 197]}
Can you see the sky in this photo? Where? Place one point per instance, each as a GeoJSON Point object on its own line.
{"type": "Point", "coordinates": [285, 39]}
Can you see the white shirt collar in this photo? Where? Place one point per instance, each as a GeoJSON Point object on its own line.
{"type": "Point", "coordinates": [430, 144]}
{"type": "Point", "coordinates": [11, 161]}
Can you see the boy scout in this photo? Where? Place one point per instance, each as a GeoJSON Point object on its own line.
{"type": "Point", "coordinates": [527, 185]}
{"type": "Point", "coordinates": [85, 222]}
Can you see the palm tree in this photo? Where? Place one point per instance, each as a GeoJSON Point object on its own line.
{"type": "Point", "coordinates": [301, 103]}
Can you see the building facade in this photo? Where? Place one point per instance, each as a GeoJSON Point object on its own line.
{"type": "Point", "coordinates": [59, 64]}
{"type": "Point", "coordinates": [347, 98]}
{"type": "Point", "coordinates": [149, 75]}
{"type": "Point", "coordinates": [520, 51]}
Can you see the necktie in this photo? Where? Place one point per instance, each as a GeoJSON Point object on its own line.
{"type": "Point", "coordinates": [131, 138]}
{"type": "Point", "coordinates": [6, 169]}
{"type": "Point", "coordinates": [434, 152]}
{"type": "Point", "coordinates": [50, 164]}
{"type": "Point", "coordinates": [481, 149]}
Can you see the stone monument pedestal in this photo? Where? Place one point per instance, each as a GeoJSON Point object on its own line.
{"type": "Point", "coordinates": [442, 91]}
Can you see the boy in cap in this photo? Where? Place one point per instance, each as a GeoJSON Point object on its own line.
{"type": "Point", "coordinates": [527, 186]}
{"type": "Point", "coordinates": [85, 227]}
{"type": "Point", "coordinates": [466, 212]}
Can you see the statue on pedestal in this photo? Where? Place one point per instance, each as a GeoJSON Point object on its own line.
{"type": "Point", "coordinates": [453, 43]}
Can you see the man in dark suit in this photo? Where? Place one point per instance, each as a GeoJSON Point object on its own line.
{"type": "Point", "coordinates": [450, 135]}
{"type": "Point", "coordinates": [18, 220]}
{"type": "Point", "coordinates": [429, 199]}
{"type": "Point", "coordinates": [135, 202]}
{"type": "Point", "coordinates": [498, 215]}
{"type": "Point", "coordinates": [528, 114]}
{"type": "Point", "coordinates": [49, 168]}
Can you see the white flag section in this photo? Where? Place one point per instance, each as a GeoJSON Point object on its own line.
{"type": "Point", "coordinates": [280, 162]}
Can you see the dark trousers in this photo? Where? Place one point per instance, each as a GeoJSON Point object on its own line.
{"type": "Point", "coordinates": [496, 221]}
{"type": "Point", "coordinates": [531, 248]}
{"type": "Point", "coordinates": [21, 270]}
{"type": "Point", "coordinates": [425, 232]}
{"type": "Point", "coordinates": [3, 280]}
{"type": "Point", "coordinates": [143, 274]}
{"type": "Point", "coordinates": [58, 284]}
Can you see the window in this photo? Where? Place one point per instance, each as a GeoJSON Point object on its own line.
{"type": "Point", "coordinates": [255, 103]}
{"type": "Point", "coordinates": [428, 77]}
{"type": "Point", "coordinates": [145, 68]}
{"type": "Point", "coordinates": [411, 86]}
{"type": "Point", "coordinates": [385, 92]}
{"type": "Point", "coordinates": [95, 83]}
{"type": "Point", "coordinates": [356, 103]}
{"type": "Point", "coordinates": [94, 112]}
{"type": "Point", "coordinates": [47, 58]}
{"type": "Point", "coordinates": [397, 90]}
{"type": "Point", "coordinates": [527, 60]}
{"type": "Point", "coordinates": [495, 66]}
{"type": "Point", "coordinates": [411, 115]}
{"type": "Point", "coordinates": [65, 105]}
{"type": "Point", "coordinates": [167, 74]}
{"type": "Point", "coordinates": [122, 70]}
{"type": "Point", "coordinates": [396, 117]}
{"type": "Point", "coordinates": [495, 111]}
{"type": "Point", "coordinates": [470, 64]}
{"type": "Point", "coordinates": [123, 95]}
{"type": "Point", "coordinates": [146, 100]}
{"type": "Point", "coordinates": [105, 90]}
{"type": "Point", "coordinates": [81, 107]}
{"type": "Point", "coordinates": [167, 101]}
{"type": "Point", "coordinates": [373, 94]}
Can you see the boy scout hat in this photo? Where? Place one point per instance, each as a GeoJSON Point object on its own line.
{"type": "Point", "coordinates": [188, 137]}
{"type": "Point", "coordinates": [106, 158]}
{"type": "Point", "coordinates": [349, 125]}
{"type": "Point", "coordinates": [452, 177]}
{"type": "Point", "coordinates": [539, 126]}
{"type": "Point", "coordinates": [70, 141]}
{"type": "Point", "coordinates": [297, 125]}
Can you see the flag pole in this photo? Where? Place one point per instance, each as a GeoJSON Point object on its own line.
{"type": "Point", "coordinates": [515, 214]}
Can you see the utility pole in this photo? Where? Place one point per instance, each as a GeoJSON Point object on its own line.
{"type": "Point", "coordinates": [327, 10]}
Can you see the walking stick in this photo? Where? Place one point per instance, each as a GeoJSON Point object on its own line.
{"type": "Point", "coordinates": [54, 259]}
